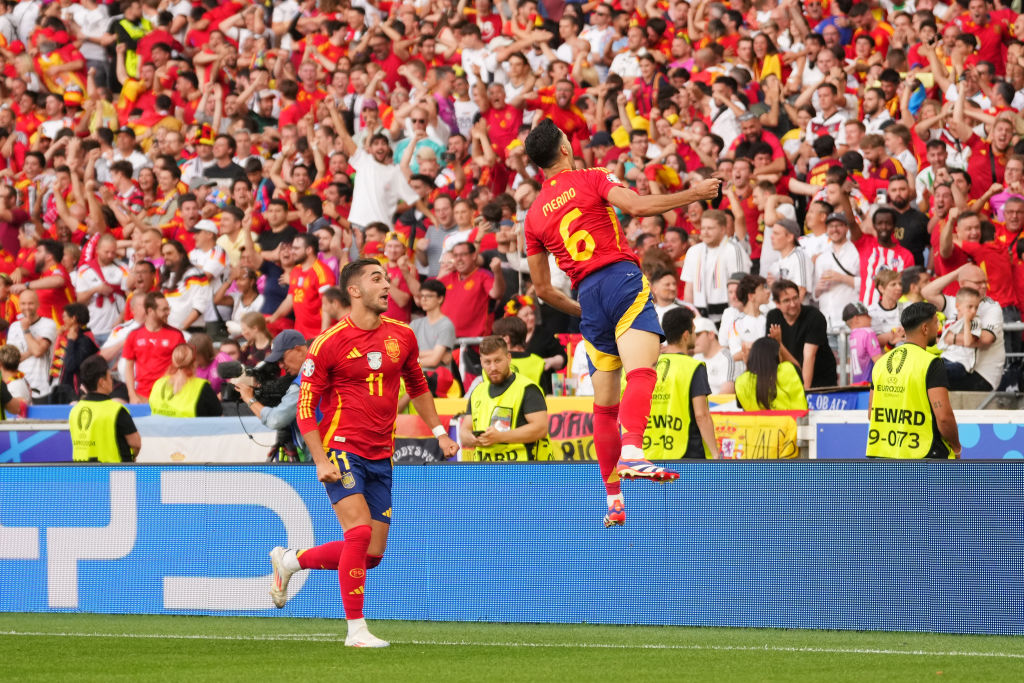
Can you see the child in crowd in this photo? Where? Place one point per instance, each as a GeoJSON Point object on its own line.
{"type": "Point", "coordinates": [864, 346]}
{"type": "Point", "coordinates": [959, 340]}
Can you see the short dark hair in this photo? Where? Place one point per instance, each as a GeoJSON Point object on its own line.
{"type": "Point", "coordinates": [311, 202]}
{"type": "Point", "coordinates": [824, 145]}
{"type": "Point", "coordinates": [677, 322]}
{"type": "Point", "coordinates": [910, 276]}
{"type": "Point", "coordinates": [91, 371]}
{"type": "Point", "coordinates": [353, 270]}
{"type": "Point", "coordinates": [542, 143]}
{"type": "Point", "coordinates": [917, 314]}
{"type": "Point", "coordinates": [123, 167]}
{"type": "Point", "coordinates": [492, 344]}
{"type": "Point", "coordinates": [434, 285]}
{"type": "Point", "coordinates": [337, 294]}
{"type": "Point", "coordinates": [53, 248]}
{"type": "Point", "coordinates": [232, 145]}
{"type": "Point", "coordinates": [747, 285]}
{"type": "Point", "coordinates": [512, 327]}
{"type": "Point", "coordinates": [469, 245]}
{"type": "Point", "coordinates": [80, 313]}
{"type": "Point", "coordinates": [151, 299]}
{"type": "Point", "coordinates": [780, 286]}
{"type": "Point", "coordinates": [308, 241]}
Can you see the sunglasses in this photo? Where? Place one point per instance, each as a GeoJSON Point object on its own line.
{"type": "Point", "coordinates": [419, 120]}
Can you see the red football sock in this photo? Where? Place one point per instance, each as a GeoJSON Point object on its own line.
{"type": "Point", "coordinates": [373, 560]}
{"type": "Point", "coordinates": [321, 557]}
{"type": "Point", "coordinates": [352, 570]}
{"type": "Point", "coordinates": [607, 444]}
{"type": "Point", "coordinates": [636, 405]}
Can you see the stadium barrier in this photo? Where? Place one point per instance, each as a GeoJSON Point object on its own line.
{"type": "Point", "coordinates": [985, 434]}
{"type": "Point", "coordinates": [901, 546]}
{"type": "Point", "coordinates": [231, 440]}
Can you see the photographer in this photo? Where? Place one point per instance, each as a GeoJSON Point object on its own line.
{"type": "Point", "coordinates": [288, 348]}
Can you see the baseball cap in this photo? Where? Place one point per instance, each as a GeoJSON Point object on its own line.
{"type": "Point", "coordinates": [837, 216]}
{"type": "Point", "coordinates": [200, 181]}
{"type": "Point", "coordinates": [789, 225]}
{"type": "Point", "coordinates": [205, 225]}
{"type": "Point", "coordinates": [267, 92]}
{"type": "Point", "coordinates": [853, 310]}
{"type": "Point", "coordinates": [736, 277]}
{"type": "Point", "coordinates": [370, 103]}
{"type": "Point", "coordinates": [600, 138]}
{"type": "Point", "coordinates": [704, 325]}
{"type": "Point", "coordinates": [126, 129]}
{"type": "Point", "coordinates": [288, 339]}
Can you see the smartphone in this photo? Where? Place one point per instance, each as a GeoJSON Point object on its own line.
{"type": "Point", "coordinates": [881, 197]}
{"type": "Point", "coordinates": [478, 432]}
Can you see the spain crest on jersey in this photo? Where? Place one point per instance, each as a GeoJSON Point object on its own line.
{"type": "Point", "coordinates": [393, 350]}
{"type": "Point", "coordinates": [375, 359]}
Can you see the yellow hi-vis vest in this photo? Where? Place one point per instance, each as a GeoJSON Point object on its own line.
{"type": "Point", "coordinates": [531, 367]}
{"type": "Point", "coordinates": [136, 33]}
{"type": "Point", "coordinates": [789, 390]}
{"type": "Point", "coordinates": [900, 422]}
{"type": "Point", "coordinates": [502, 412]}
{"type": "Point", "coordinates": [163, 400]}
{"type": "Point", "coordinates": [93, 426]}
{"type": "Point", "coordinates": [668, 427]}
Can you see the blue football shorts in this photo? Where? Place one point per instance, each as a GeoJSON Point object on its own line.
{"type": "Point", "coordinates": [369, 478]}
{"type": "Point", "coordinates": [614, 299]}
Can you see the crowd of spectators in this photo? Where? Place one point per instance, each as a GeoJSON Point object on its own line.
{"type": "Point", "coordinates": [176, 171]}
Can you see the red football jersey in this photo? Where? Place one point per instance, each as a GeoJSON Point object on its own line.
{"type": "Point", "coordinates": [353, 376]}
{"type": "Point", "coordinates": [572, 219]}
{"type": "Point", "coordinates": [307, 288]}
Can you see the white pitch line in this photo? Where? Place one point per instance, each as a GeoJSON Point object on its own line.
{"type": "Point", "coordinates": [331, 637]}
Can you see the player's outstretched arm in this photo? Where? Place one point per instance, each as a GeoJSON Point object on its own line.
{"type": "Point", "coordinates": [655, 204]}
{"type": "Point", "coordinates": [540, 275]}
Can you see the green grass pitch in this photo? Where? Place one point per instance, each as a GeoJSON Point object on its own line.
{"type": "Point", "coordinates": [87, 647]}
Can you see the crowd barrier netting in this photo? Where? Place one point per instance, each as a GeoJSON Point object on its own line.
{"type": "Point", "coordinates": [923, 546]}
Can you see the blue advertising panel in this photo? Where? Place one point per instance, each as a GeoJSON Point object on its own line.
{"type": "Point", "coordinates": [839, 440]}
{"type": "Point", "coordinates": [924, 546]}
{"type": "Point", "coordinates": [46, 445]}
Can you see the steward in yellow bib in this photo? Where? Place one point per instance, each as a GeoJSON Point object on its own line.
{"type": "Point", "coordinates": [680, 424]}
{"type": "Point", "coordinates": [531, 366]}
{"type": "Point", "coordinates": [508, 414]}
{"type": "Point", "coordinates": [769, 383]}
{"type": "Point", "coordinates": [909, 414]}
{"type": "Point", "coordinates": [180, 393]}
{"type": "Point", "coordinates": [129, 31]}
{"type": "Point", "coordinates": [101, 429]}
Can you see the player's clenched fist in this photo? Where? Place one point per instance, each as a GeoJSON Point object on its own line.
{"type": "Point", "coordinates": [708, 188]}
{"type": "Point", "coordinates": [448, 447]}
{"type": "Point", "coordinates": [327, 473]}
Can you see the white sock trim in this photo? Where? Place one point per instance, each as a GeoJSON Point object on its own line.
{"type": "Point", "coordinates": [290, 561]}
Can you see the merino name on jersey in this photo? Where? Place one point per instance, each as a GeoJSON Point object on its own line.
{"type": "Point", "coordinates": [353, 375]}
{"type": "Point", "coordinates": [572, 219]}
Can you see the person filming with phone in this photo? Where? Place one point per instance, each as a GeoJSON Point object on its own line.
{"type": "Point", "coordinates": [508, 416]}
